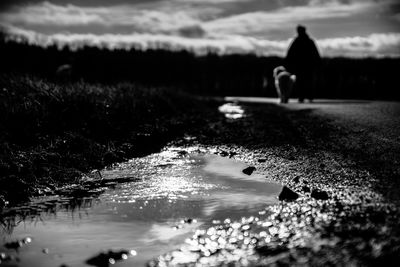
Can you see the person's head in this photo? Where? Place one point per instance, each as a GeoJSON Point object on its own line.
{"type": "Point", "coordinates": [301, 30]}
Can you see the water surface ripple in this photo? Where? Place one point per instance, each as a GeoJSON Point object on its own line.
{"type": "Point", "coordinates": [174, 193]}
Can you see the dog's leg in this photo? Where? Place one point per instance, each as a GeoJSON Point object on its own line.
{"type": "Point", "coordinates": [283, 98]}
{"type": "Point", "coordinates": [283, 94]}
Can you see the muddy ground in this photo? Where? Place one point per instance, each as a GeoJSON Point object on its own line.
{"type": "Point", "coordinates": [51, 133]}
{"type": "Point", "coordinates": [344, 168]}
{"type": "Point", "coordinates": [342, 172]}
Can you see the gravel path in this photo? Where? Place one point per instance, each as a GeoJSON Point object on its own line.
{"type": "Point", "coordinates": [340, 157]}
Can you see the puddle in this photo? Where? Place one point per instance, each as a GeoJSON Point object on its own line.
{"type": "Point", "coordinates": [232, 111]}
{"type": "Point", "coordinates": [174, 193]}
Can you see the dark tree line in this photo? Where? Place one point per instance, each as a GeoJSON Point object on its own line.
{"type": "Point", "coordinates": [368, 78]}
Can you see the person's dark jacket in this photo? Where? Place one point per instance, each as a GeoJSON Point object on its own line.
{"type": "Point", "coordinates": [303, 55]}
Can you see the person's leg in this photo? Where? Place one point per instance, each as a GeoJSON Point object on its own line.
{"type": "Point", "coordinates": [311, 88]}
{"type": "Point", "coordinates": [314, 83]}
{"type": "Point", "coordinates": [300, 87]}
{"type": "Point", "coordinates": [307, 86]}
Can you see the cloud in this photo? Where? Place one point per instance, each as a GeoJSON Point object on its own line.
{"type": "Point", "coordinates": [171, 15]}
{"type": "Point", "coordinates": [161, 20]}
{"type": "Point", "coordinates": [374, 45]}
{"type": "Point", "coordinates": [199, 46]}
{"type": "Point", "coordinates": [193, 31]}
{"type": "Point", "coordinates": [284, 17]}
{"type": "Point", "coordinates": [45, 12]}
{"type": "Point", "coordinates": [210, 1]}
{"type": "Point", "coordinates": [188, 18]}
{"type": "Point", "coordinates": [221, 26]}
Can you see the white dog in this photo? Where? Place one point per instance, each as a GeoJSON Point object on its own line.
{"type": "Point", "coordinates": [284, 82]}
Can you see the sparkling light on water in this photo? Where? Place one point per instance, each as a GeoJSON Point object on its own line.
{"type": "Point", "coordinates": [232, 111]}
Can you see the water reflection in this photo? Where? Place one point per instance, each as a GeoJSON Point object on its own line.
{"type": "Point", "coordinates": [170, 194]}
{"type": "Point", "coordinates": [42, 209]}
{"type": "Point", "coordinates": [232, 111]}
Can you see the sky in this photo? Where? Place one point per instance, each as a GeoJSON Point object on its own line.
{"type": "Point", "coordinates": [354, 28]}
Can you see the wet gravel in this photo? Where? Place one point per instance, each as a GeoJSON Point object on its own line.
{"type": "Point", "coordinates": [339, 206]}
{"type": "Point", "coordinates": [346, 212]}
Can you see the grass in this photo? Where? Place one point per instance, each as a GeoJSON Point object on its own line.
{"type": "Point", "coordinates": [52, 133]}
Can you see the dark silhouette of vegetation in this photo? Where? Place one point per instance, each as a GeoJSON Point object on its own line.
{"type": "Point", "coordinates": [50, 133]}
{"type": "Point", "coordinates": [211, 74]}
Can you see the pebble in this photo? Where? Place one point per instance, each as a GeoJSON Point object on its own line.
{"type": "Point", "coordinates": [319, 194]}
{"type": "Point", "coordinates": [306, 189]}
{"type": "Point", "coordinates": [110, 257]}
{"type": "Point", "coordinates": [249, 170]}
{"type": "Point", "coordinates": [288, 194]}
{"type": "Point", "coordinates": [17, 244]}
{"type": "Point", "coordinates": [296, 179]}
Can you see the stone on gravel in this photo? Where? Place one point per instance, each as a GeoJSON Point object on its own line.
{"type": "Point", "coordinates": [270, 250]}
{"type": "Point", "coordinates": [110, 257]}
{"type": "Point", "coordinates": [232, 154]}
{"type": "Point", "coordinates": [296, 179]}
{"type": "Point", "coordinates": [224, 153]}
{"type": "Point", "coordinates": [305, 189]}
{"type": "Point", "coordinates": [5, 257]}
{"type": "Point", "coordinates": [249, 170]}
{"type": "Point", "coordinates": [319, 194]}
{"type": "Point", "coordinates": [183, 153]}
{"type": "Point", "coordinates": [287, 194]}
{"type": "Point", "coordinates": [190, 220]}
{"type": "Point", "coordinates": [17, 244]}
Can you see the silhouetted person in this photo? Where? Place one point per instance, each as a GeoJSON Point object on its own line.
{"type": "Point", "coordinates": [303, 60]}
